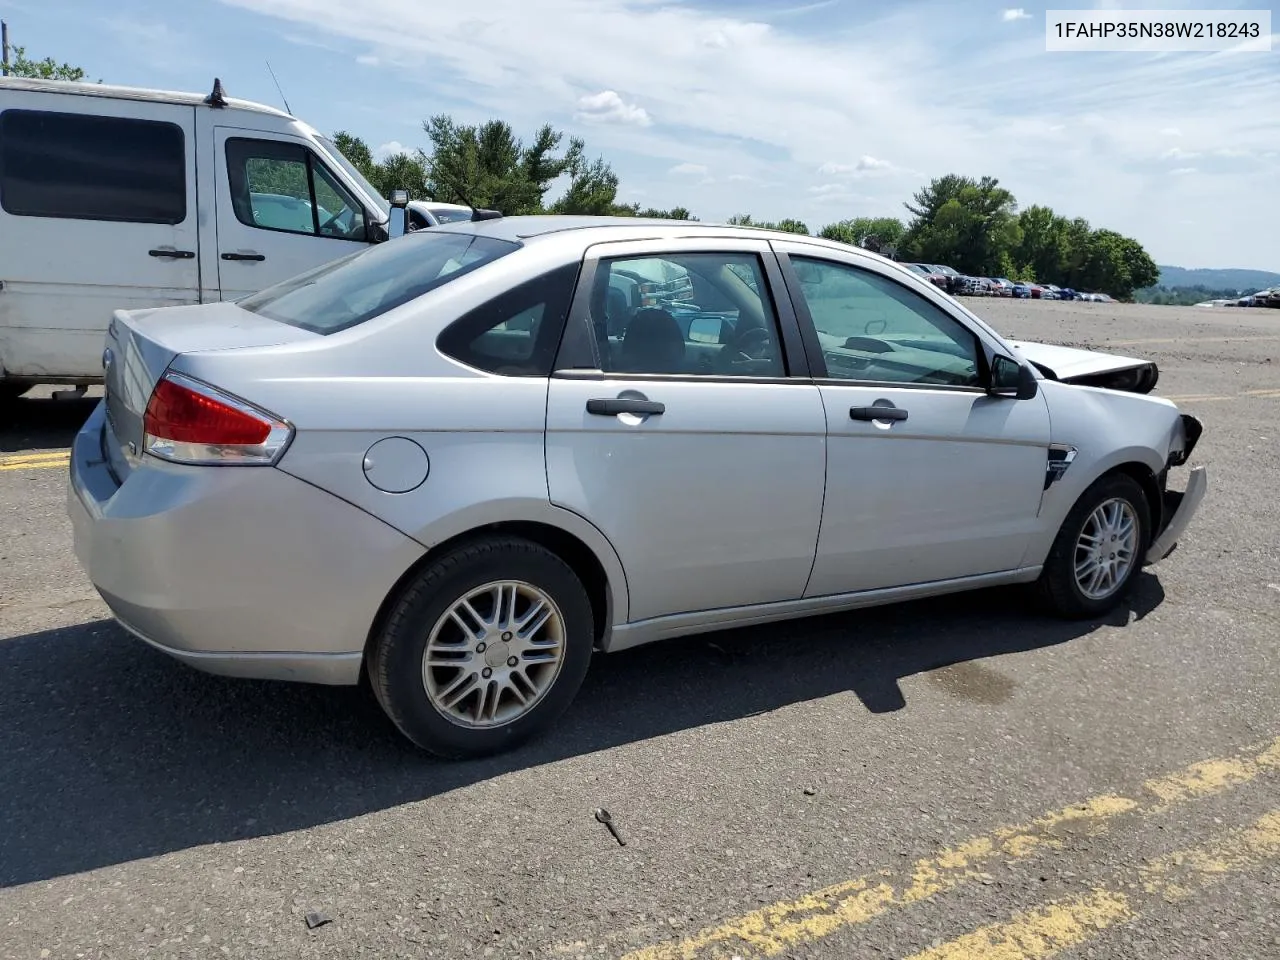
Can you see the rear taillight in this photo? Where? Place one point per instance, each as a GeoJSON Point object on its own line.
{"type": "Point", "coordinates": [191, 422]}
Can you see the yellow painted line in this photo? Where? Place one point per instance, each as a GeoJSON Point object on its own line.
{"type": "Point", "coordinates": [1039, 933]}
{"type": "Point", "coordinates": [1205, 398]}
{"type": "Point", "coordinates": [1139, 343]}
{"type": "Point", "coordinates": [33, 457]}
{"type": "Point", "coordinates": [42, 462]}
{"type": "Point", "coordinates": [1045, 931]}
{"type": "Point", "coordinates": [1262, 393]}
{"type": "Point", "coordinates": [781, 927]}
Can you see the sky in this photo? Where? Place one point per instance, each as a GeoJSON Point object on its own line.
{"type": "Point", "coordinates": [817, 110]}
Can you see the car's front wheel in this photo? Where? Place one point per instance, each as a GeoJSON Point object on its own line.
{"type": "Point", "coordinates": [1098, 552]}
{"type": "Point", "coordinates": [484, 649]}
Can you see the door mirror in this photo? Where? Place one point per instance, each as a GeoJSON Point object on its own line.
{"type": "Point", "coordinates": [709, 330]}
{"type": "Point", "coordinates": [1009, 378]}
{"type": "Point", "coordinates": [398, 224]}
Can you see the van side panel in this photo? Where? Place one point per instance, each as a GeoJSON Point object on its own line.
{"type": "Point", "coordinates": [98, 212]}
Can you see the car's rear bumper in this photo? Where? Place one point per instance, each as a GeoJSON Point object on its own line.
{"type": "Point", "coordinates": [244, 571]}
{"type": "Point", "coordinates": [1179, 508]}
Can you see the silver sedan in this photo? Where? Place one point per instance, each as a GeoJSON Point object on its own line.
{"type": "Point", "coordinates": [460, 463]}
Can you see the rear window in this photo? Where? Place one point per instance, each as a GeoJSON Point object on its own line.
{"type": "Point", "coordinates": [366, 284]}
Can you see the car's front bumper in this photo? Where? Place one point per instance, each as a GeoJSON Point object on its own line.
{"type": "Point", "coordinates": [241, 571]}
{"type": "Point", "coordinates": [1179, 509]}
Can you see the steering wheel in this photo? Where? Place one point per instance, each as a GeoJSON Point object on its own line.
{"type": "Point", "coordinates": [751, 345]}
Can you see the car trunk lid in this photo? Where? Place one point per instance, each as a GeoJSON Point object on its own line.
{"type": "Point", "coordinates": [141, 345]}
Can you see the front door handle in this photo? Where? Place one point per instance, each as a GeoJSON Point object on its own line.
{"type": "Point", "coordinates": [243, 256]}
{"type": "Point", "coordinates": [612, 406]}
{"type": "Point", "coordinates": [877, 413]}
{"type": "Point", "coordinates": [174, 254]}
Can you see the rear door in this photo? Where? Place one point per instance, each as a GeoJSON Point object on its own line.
{"type": "Point", "coordinates": [681, 422]}
{"type": "Point", "coordinates": [928, 477]}
{"type": "Point", "coordinates": [281, 210]}
{"type": "Point", "coordinates": [99, 213]}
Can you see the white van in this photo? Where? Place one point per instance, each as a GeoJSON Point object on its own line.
{"type": "Point", "coordinates": [122, 198]}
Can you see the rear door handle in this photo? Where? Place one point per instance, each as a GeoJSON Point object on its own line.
{"type": "Point", "coordinates": [174, 254]}
{"type": "Point", "coordinates": [877, 413]}
{"type": "Point", "coordinates": [612, 406]}
{"type": "Point", "coordinates": [243, 256]}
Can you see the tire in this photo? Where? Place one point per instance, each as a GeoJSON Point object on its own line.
{"type": "Point", "coordinates": [416, 698]}
{"type": "Point", "coordinates": [12, 391]}
{"type": "Point", "coordinates": [1060, 590]}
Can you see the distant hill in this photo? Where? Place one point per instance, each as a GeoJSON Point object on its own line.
{"type": "Point", "coordinates": [1218, 279]}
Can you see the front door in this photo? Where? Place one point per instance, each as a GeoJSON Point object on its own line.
{"type": "Point", "coordinates": [673, 427]}
{"type": "Point", "coordinates": [281, 211]}
{"type": "Point", "coordinates": [928, 477]}
{"type": "Point", "coordinates": [99, 214]}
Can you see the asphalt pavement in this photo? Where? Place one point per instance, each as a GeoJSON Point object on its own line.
{"type": "Point", "coordinates": [957, 778]}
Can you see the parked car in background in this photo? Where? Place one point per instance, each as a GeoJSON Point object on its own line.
{"type": "Point", "coordinates": [1002, 287]}
{"type": "Point", "coordinates": [1023, 291]}
{"type": "Point", "coordinates": [429, 213]}
{"type": "Point", "coordinates": [119, 197]}
{"type": "Point", "coordinates": [929, 273]}
{"type": "Point", "coordinates": [461, 463]}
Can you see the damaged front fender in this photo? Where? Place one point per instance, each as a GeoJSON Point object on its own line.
{"type": "Point", "coordinates": [1089, 368]}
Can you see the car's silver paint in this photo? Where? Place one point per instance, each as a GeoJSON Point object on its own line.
{"type": "Point", "coordinates": [1068, 362]}
{"type": "Point", "coordinates": [336, 545]}
{"type": "Point", "coordinates": [230, 561]}
{"type": "Point", "coordinates": [641, 632]}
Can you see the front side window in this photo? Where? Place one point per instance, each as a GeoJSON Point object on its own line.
{"type": "Point", "coordinates": [874, 329]}
{"type": "Point", "coordinates": [283, 186]}
{"type": "Point", "coordinates": [356, 288]}
{"type": "Point", "coordinates": [82, 167]}
{"type": "Point", "coordinates": [686, 313]}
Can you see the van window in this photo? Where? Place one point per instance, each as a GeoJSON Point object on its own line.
{"type": "Point", "coordinates": [284, 186]}
{"type": "Point", "coordinates": [82, 167]}
{"type": "Point", "coordinates": [369, 282]}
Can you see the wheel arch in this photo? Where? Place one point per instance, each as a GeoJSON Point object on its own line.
{"type": "Point", "coordinates": [602, 579]}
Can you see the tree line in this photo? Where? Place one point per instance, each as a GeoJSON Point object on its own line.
{"type": "Point", "coordinates": [972, 225]}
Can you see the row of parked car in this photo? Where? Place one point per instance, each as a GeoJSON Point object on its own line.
{"type": "Point", "coordinates": [959, 284]}
{"type": "Point", "coordinates": [1263, 298]}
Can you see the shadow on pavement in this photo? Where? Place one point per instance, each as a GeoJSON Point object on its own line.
{"type": "Point", "coordinates": [111, 752]}
{"type": "Point", "coordinates": [36, 423]}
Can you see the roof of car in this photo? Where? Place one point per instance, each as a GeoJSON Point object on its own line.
{"type": "Point", "coordinates": [531, 227]}
{"type": "Point", "coordinates": [111, 91]}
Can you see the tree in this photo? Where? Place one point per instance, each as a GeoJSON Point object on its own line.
{"type": "Point", "coordinates": [787, 225]}
{"type": "Point", "coordinates": [46, 69]}
{"type": "Point", "coordinates": [592, 190]}
{"type": "Point", "coordinates": [968, 224]}
{"type": "Point", "coordinates": [873, 233]}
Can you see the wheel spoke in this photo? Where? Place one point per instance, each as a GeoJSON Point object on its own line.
{"type": "Point", "coordinates": [457, 691]}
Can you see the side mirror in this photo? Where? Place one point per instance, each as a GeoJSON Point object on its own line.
{"type": "Point", "coordinates": [1009, 378]}
{"type": "Point", "coordinates": [398, 225]}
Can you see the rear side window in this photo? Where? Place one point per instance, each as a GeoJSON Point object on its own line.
{"type": "Point", "coordinates": [75, 166]}
{"type": "Point", "coordinates": [516, 333]}
{"type": "Point", "coordinates": [368, 283]}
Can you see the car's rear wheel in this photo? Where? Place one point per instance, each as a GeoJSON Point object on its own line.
{"type": "Point", "coordinates": [1098, 552]}
{"type": "Point", "coordinates": [484, 649]}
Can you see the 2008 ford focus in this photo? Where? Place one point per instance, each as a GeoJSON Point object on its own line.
{"type": "Point", "coordinates": [464, 461]}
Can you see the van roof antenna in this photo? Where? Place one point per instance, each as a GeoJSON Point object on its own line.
{"type": "Point", "coordinates": [287, 109]}
{"type": "Point", "coordinates": [476, 214]}
{"type": "Point", "coordinates": [217, 97]}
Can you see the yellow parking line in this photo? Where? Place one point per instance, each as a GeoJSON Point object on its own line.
{"type": "Point", "coordinates": [1139, 343]}
{"type": "Point", "coordinates": [782, 927]}
{"type": "Point", "coordinates": [1045, 931]}
{"type": "Point", "coordinates": [1205, 398]}
{"type": "Point", "coordinates": [1262, 393]}
{"type": "Point", "coordinates": [35, 461]}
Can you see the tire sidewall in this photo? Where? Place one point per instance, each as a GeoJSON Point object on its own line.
{"type": "Point", "coordinates": [403, 644]}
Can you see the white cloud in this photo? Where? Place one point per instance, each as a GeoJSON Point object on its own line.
{"type": "Point", "coordinates": [1010, 14]}
{"type": "Point", "coordinates": [865, 166]}
{"type": "Point", "coordinates": [1177, 153]}
{"type": "Point", "coordinates": [389, 149]}
{"type": "Point", "coordinates": [1170, 132]}
{"type": "Point", "coordinates": [368, 60]}
{"type": "Point", "coordinates": [608, 107]}
{"type": "Point", "coordinates": [740, 178]}
{"type": "Point", "coordinates": [779, 103]}
{"type": "Point", "coordinates": [1182, 171]}
{"type": "Point", "coordinates": [688, 169]}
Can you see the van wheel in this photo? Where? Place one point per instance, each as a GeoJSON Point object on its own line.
{"type": "Point", "coordinates": [1099, 550]}
{"type": "Point", "coordinates": [484, 649]}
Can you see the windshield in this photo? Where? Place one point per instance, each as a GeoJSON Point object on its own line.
{"type": "Point", "coordinates": [447, 215]}
{"type": "Point", "coordinates": [369, 282]}
{"type": "Point", "coordinates": [383, 203]}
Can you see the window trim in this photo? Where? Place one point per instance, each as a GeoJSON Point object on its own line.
{"type": "Point", "coordinates": [578, 359]}
{"type": "Point", "coordinates": [63, 114]}
{"type": "Point", "coordinates": [310, 158]}
{"type": "Point", "coordinates": [813, 346]}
